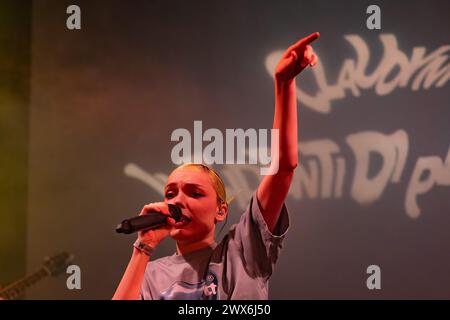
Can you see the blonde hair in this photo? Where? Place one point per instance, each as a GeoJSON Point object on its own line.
{"type": "Point", "coordinates": [217, 181]}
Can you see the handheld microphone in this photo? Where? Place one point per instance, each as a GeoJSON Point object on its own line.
{"type": "Point", "coordinates": [153, 220]}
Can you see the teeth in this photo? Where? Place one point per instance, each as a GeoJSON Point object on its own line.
{"type": "Point", "coordinates": [184, 219]}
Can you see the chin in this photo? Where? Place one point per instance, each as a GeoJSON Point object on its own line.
{"type": "Point", "coordinates": [180, 234]}
{"type": "Point", "coordinates": [187, 235]}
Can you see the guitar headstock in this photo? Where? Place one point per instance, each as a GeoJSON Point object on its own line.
{"type": "Point", "coordinates": [58, 263]}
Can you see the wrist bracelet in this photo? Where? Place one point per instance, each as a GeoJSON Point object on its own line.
{"type": "Point", "coordinates": [145, 248]}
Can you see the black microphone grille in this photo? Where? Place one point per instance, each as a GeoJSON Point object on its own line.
{"type": "Point", "coordinates": [175, 212]}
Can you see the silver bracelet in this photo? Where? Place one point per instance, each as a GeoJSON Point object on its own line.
{"type": "Point", "coordinates": [145, 248]}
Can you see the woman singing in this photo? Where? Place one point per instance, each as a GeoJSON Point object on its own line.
{"type": "Point", "coordinates": [240, 265]}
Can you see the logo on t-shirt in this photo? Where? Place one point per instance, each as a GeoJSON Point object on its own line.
{"type": "Point", "coordinates": [182, 290]}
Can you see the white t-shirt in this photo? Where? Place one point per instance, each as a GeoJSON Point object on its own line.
{"type": "Point", "coordinates": [239, 267]}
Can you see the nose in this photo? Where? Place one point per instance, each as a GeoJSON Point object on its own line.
{"type": "Point", "coordinates": [178, 200]}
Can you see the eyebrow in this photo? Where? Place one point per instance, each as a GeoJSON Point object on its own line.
{"type": "Point", "coordinates": [187, 185]}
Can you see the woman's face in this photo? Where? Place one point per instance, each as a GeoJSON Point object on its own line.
{"type": "Point", "coordinates": [191, 189]}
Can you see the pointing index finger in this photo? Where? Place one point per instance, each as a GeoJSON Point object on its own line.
{"type": "Point", "coordinates": [305, 41]}
{"type": "Point", "coordinates": [311, 38]}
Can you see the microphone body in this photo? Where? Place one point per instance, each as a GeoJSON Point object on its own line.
{"type": "Point", "coordinates": [153, 220]}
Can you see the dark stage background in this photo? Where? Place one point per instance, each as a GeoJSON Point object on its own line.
{"type": "Point", "coordinates": [102, 102]}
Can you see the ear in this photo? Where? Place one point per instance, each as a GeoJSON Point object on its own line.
{"type": "Point", "coordinates": [222, 211]}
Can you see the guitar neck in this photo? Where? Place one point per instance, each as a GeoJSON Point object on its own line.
{"type": "Point", "coordinates": [17, 288]}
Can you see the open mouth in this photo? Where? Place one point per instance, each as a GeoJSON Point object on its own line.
{"type": "Point", "coordinates": [183, 221]}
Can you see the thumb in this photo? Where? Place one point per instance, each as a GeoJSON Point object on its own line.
{"type": "Point", "coordinates": [170, 221]}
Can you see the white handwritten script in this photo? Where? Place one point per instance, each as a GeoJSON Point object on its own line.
{"type": "Point", "coordinates": [418, 71]}
{"type": "Point", "coordinates": [323, 171]}
{"type": "Point", "coordinates": [324, 166]}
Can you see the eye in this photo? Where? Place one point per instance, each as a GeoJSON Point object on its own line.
{"type": "Point", "coordinates": [169, 195]}
{"type": "Point", "coordinates": [196, 194]}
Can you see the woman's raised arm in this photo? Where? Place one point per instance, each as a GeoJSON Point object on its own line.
{"type": "Point", "coordinates": [274, 188]}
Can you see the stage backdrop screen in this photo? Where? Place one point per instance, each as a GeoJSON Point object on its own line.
{"type": "Point", "coordinates": [372, 188]}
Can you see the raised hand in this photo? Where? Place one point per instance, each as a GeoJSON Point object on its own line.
{"type": "Point", "coordinates": [296, 58]}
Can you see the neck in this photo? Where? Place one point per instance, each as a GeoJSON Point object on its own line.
{"type": "Point", "coordinates": [185, 248]}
